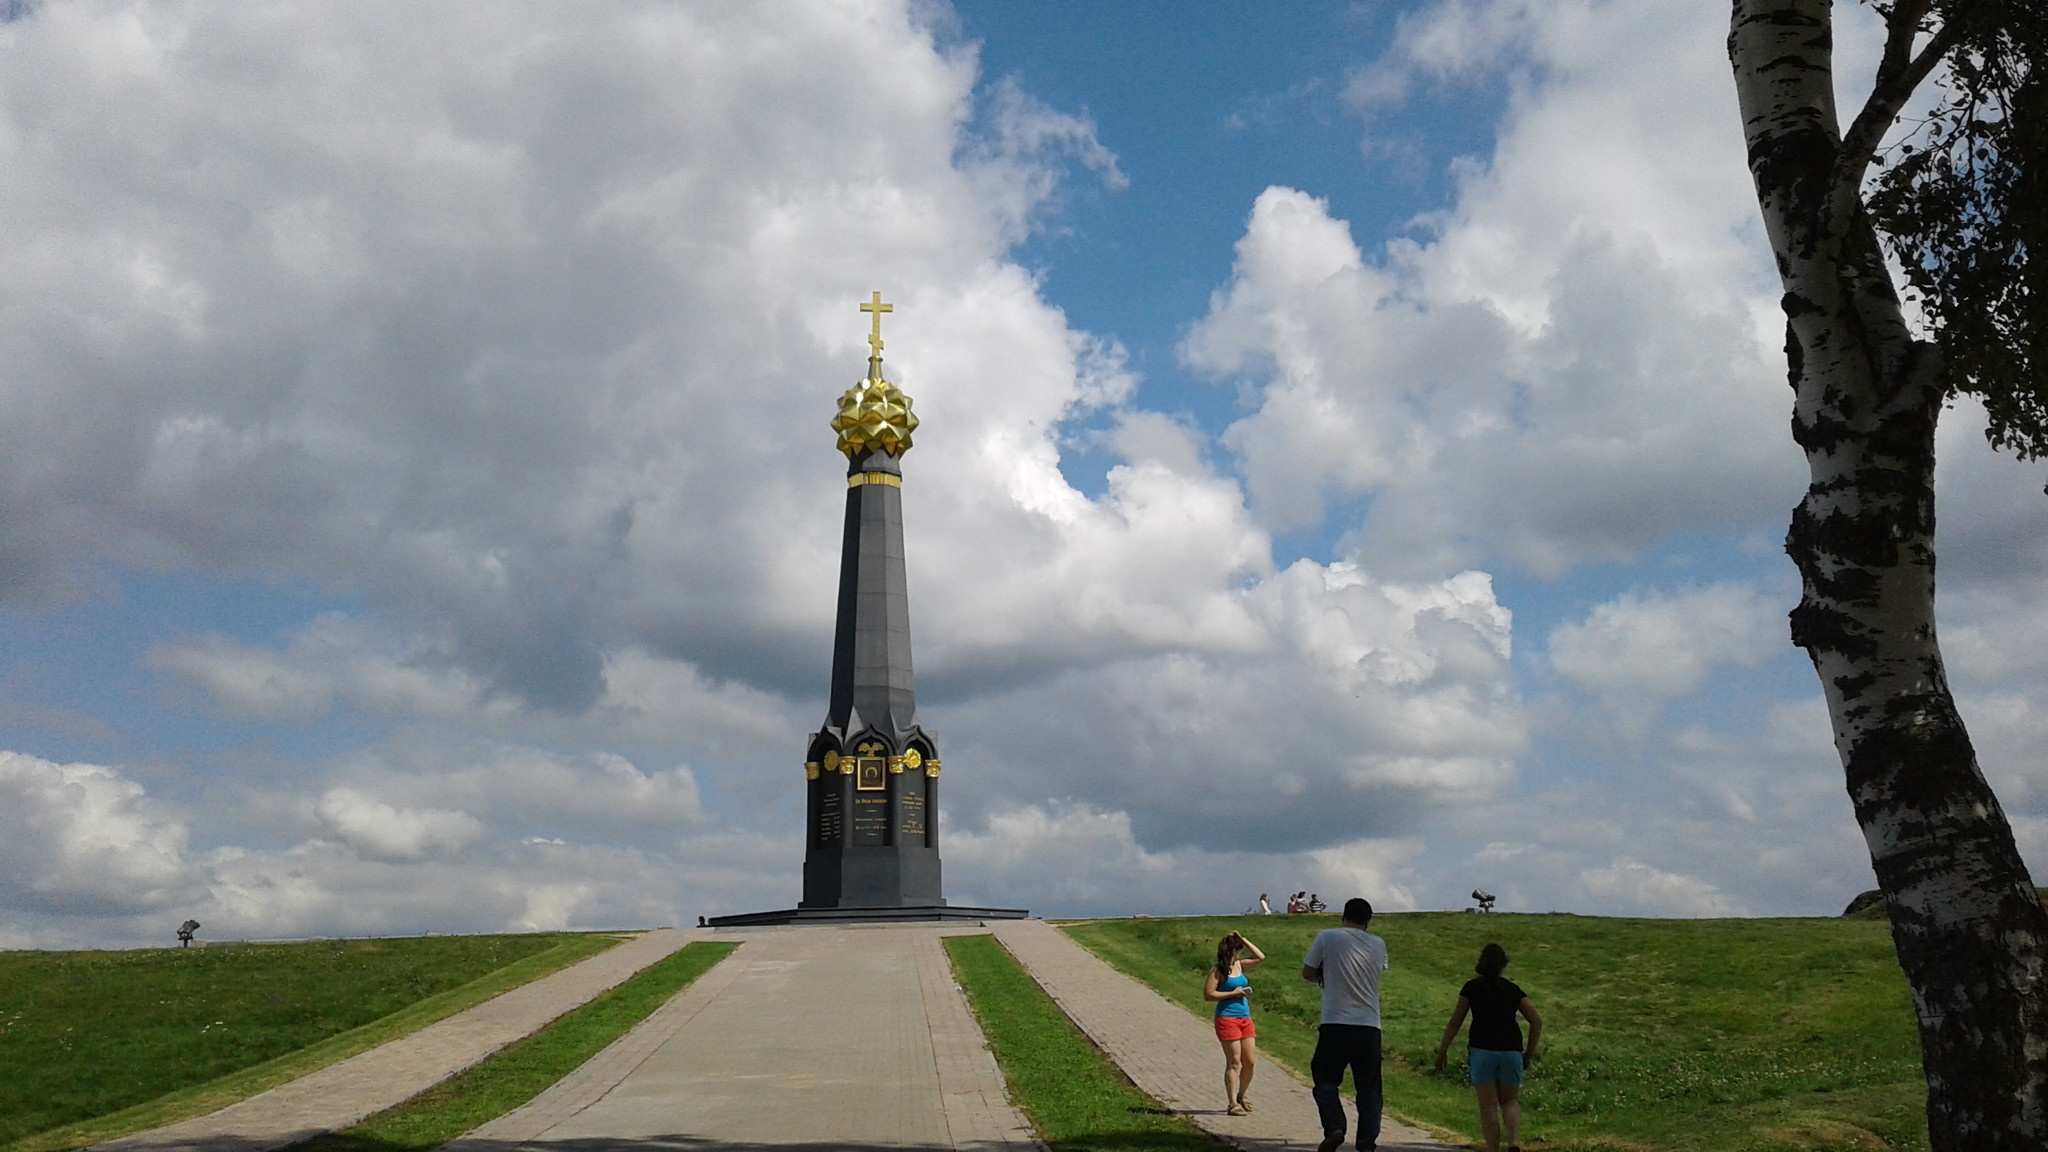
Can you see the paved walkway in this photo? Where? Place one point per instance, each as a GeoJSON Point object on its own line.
{"type": "Point", "coordinates": [344, 1093]}
{"type": "Point", "coordinates": [808, 1038]}
{"type": "Point", "coordinates": [1172, 1054]}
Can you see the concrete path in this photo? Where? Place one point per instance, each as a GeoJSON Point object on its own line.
{"type": "Point", "coordinates": [1172, 1054]}
{"type": "Point", "coordinates": [344, 1093]}
{"type": "Point", "coordinates": [806, 1038]}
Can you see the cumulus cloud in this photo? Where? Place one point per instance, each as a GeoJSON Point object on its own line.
{"type": "Point", "coordinates": [446, 320]}
{"type": "Point", "coordinates": [340, 659]}
{"type": "Point", "coordinates": [323, 887]}
{"type": "Point", "coordinates": [334, 656]}
{"type": "Point", "coordinates": [82, 839]}
{"type": "Point", "coordinates": [1649, 646]}
{"type": "Point", "coordinates": [1573, 363]}
{"type": "Point", "coordinates": [1102, 869]}
{"type": "Point", "coordinates": [381, 832]}
{"type": "Point", "coordinates": [1332, 707]}
{"type": "Point", "coordinates": [413, 839]}
{"type": "Point", "coordinates": [529, 791]}
{"type": "Point", "coordinates": [1632, 887]}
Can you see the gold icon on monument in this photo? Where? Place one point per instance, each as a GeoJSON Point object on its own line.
{"type": "Point", "coordinates": [870, 768]}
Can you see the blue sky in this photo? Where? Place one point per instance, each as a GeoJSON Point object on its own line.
{"type": "Point", "coordinates": [1354, 459]}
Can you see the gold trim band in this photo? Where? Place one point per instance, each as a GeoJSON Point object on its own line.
{"type": "Point", "coordinates": [860, 478]}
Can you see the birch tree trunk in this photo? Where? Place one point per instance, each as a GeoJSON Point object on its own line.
{"type": "Point", "coordinates": [1970, 933]}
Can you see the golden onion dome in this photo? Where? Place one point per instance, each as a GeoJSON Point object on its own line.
{"type": "Point", "coordinates": [874, 415]}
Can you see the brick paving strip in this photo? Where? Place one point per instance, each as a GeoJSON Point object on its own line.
{"type": "Point", "coordinates": [346, 1092]}
{"type": "Point", "coordinates": [814, 1037]}
{"type": "Point", "coordinates": [978, 1108]}
{"type": "Point", "coordinates": [1172, 1054]}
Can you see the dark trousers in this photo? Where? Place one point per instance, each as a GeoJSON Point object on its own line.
{"type": "Point", "coordinates": [1357, 1047]}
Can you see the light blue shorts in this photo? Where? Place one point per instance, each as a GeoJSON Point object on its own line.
{"type": "Point", "coordinates": [1495, 1067]}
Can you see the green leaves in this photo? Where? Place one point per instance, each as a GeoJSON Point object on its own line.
{"type": "Point", "coordinates": [1962, 204]}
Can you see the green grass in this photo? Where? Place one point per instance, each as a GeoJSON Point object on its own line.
{"type": "Point", "coordinates": [1073, 1094]}
{"type": "Point", "coordinates": [522, 1070]}
{"type": "Point", "coordinates": [95, 1045]}
{"type": "Point", "coordinates": [1676, 1035]}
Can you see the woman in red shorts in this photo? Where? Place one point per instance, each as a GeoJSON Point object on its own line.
{"type": "Point", "coordinates": [1228, 989]}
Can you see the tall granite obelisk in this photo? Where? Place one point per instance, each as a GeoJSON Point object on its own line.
{"type": "Point", "coordinates": [871, 775]}
{"type": "Point", "coordinates": [872, 770]}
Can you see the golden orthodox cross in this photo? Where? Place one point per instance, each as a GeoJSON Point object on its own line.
{"type": "Point", "coordinates": [875, 338]}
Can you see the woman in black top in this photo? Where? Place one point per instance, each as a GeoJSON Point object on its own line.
{"type": "Point", "coordinates": [1494, 1050]}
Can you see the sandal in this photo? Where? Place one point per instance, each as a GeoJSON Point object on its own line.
{"type": "Point", "coordinates": [1236, 1109]}
{"type": "Point", "coordinates": [1245, 1102]}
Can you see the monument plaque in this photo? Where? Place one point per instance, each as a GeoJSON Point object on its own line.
{"type": "Point", "coordinates": [825, 829]}
{"type": "Point", "coordinates": [871, 774]}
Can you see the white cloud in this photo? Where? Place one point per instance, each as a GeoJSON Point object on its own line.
{"type": "Point", "coordinates": [1632, 887]}
{"type": "Point", "coordinates": [325, 888]}
{"type": "Point", "coordinates": [589, 797]}
{"type": "Point", "coordinates": [1331, 708]}
{"type": "Point", "coordinates": [381, 832]}
{"type": "Point", "coordinates": [338, 658]}
{"type": "Point", "coordinates": [1573, 363]}
{"type": "Point", "coordinates": [496, 323]}
{"type": "Point", "coordinates": [88, 859]}
{"type": "Point", "coordinates": [334, 656]}
{"type": "Point", "coordinates": [1645, 647]}
{"type": "Point", "coordinates": [1074, 859]}
{"type": "Point", "coordinates": [81, 839]}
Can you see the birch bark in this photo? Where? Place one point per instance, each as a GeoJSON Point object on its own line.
{"type": "Point", "coordinates": [1969, 931]}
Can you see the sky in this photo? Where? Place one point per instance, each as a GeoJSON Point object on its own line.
{"type": "Point", "coordinates": [1354, 458]}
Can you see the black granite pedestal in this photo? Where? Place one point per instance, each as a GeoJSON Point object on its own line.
{"type": "Point", "coordinates": [827, 916]}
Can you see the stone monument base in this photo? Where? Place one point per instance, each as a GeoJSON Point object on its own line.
{"type": "Point", "coordinates": [827, 916]}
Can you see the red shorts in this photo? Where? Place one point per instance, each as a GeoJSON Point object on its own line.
{"type": "Point", "coordinates": [1235, 1028]}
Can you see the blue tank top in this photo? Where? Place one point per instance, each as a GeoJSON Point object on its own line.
{"type": "Point", "coordinates": [1236, 1005]}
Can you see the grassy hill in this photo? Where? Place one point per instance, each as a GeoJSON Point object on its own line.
{"type": "Point", "coordinates": [1679, 1035]}
{"type": "Point", "coordinates": [165, 1033]}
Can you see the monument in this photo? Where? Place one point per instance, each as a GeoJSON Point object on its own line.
{"type": "Point", "coordinates": [871, 774]}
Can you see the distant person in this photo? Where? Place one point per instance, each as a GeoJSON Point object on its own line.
{"type": "Point", "coordinates": [1494, 1050]}
{"type": "Point", "coordinates": [1315, 904]}
{"type": "Point", "coordinates": [1347, 961]}
{"type": "Point", "coordinates": [1265, 909]}
{"type": "Point", "coordinates": [1231, 992]}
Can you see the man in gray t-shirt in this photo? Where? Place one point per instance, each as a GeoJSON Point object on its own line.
{"type": "Point", "coordinates": [1347, 962]}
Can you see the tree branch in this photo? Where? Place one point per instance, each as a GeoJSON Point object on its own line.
{"type": "Point", "coordinates": [1899, 72]}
